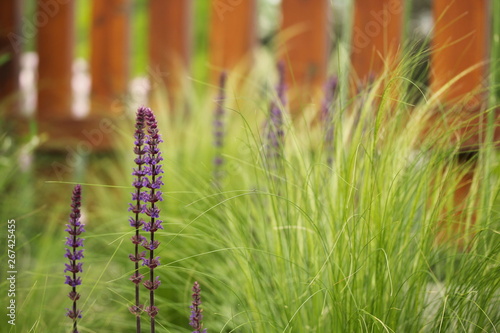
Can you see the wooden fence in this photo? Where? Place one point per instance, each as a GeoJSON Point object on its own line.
{"type": "Point", "coordinates": [460, 43]}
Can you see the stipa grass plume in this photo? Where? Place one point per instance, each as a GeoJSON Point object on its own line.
{"type": "Point", "coordinates": [74, 229]}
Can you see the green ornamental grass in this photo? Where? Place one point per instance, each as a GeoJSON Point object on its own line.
{"type": "Point", "coordinates": [348, 241]}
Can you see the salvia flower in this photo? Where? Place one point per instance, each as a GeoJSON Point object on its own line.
{"type": "Point", "coordinates": [137, 207]}
{"type": "Point", "coordinates": [74, 229]}
{"type": "Point", "coordinates": [195, 320]}
{"type": "Point", "coordinates": [274, 126]}
{"type": "Point", "coordinates": [153, 182]}
{"type": "Point", "coordinates": [218, 129]}
{"type": "Point", "coordinates": [327, 116]}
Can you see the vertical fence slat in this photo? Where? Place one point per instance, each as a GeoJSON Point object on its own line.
{"type": "Point", "coordinates": [376, 37]}
{"type": "Point", "coordinates": [10, 50]}
{"type": "Point", "coordinates": [55, 46]}
{"type": "Point", "coordinates": [460, 51]}
{"type": "Point", "coordinates": [55, 51]}
{"type": "Point", "coordinates": [232, 35]}
{"type": "Point", "coordinates": [169, 45]}
{"type": "Point", "coordinates": [460, 48]}
{"type": "Point", "coordinates": [110, 54]}
{"type": "Point", "coordinates": [459, 45]}
{"type": "Point", "coordinates": [304, 48]}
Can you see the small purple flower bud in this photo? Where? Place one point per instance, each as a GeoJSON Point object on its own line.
{"type": "Point", "coordinates": [74, 242]}
{"type": "Point", "coordinates": [152, 311]}
{"type": "Point", "coordinates": [74, 296]}
{"type": "Point", "coordinates": [73, 282]}
{"type": "Point", "coordinates": [77, 255]}
{"type": "Point", "coordinates": [136, 279]}
{"type": "Point", "coordinates": [152, 285]}
{"type": "Point", "coordinates": [153, 212]}
{"type": "Point", "coordinates": [153, 227]}
{"type": "Point", "coordinates": [137, 239]}
{"type": "Point", "coordinates": [136, 258]}
{"type": "Point", "coordinates": [74, 268]}
{"type": "Point", "coordinates": [136, 309]}
{"type": "Point", "coordinates": [136, 209]}
{"type": "Point", "coordinates": [73, 315]}
{"type": "Point", "coordinates": [151, 245]}
{"type": "Point", "coordinates": [152, 264]}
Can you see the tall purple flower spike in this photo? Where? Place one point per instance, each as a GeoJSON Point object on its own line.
{"type": "Point", "coordinates": [153, 182]}
{"type": "Point", "coordinates": [218, 129]}
{"type": "Point", "coordinates": [327, 117]}
{"type": "Point", "coordinates": [137, 207]}
{"type": "Point", "coordinates": [275, 132]}
{"type": "Point", "coordinates": [74, 229]}
{"type": "Point", "coordinates": [195, 320]}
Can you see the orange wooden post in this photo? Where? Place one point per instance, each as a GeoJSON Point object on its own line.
{"type": "Point", "coordinates": [376, 37]}
{"type": "Point", "coordinates": [459, 53]}
{"type": "Point", "coordinates": [169, 46]}
{"type": "Point", "coordinates": [304, 48]}
{"type": "Point", "coordinates": [232, 35]}
{"type": "Point", "coordinates": [459, 74]}
{"type": "Point", "coordinates": [110, 56]}
{"type": "Point", "coordinates": [55, 52]}
{"type": "Point", "coordinates": [10, 50]}
{"type": "Point", "coordinates": [460, 47]}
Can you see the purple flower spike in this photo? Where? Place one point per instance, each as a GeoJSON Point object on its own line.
{"type": "Point", "coordinates": [195, 320]}
{"type": "Point", "coordinates": [153, 182]}
{"type": "Point", "coordinates": [147, 194]}
{"type": "Point", "coordinates": [327, 117]}
{"type": "Point", "coordinates": [218, 129]}
{"type": "Point", "coordinates": [138, 206]}
{"type": "Point", "coordinates": [274, 126]}
{"type": "Point", "coordinates": [74, 229]}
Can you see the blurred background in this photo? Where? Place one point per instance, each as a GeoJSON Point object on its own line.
{"type": "Point", "coordinates": [65, 59]}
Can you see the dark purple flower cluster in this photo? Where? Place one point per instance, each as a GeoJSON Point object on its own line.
{"type": "Point", "coordinates": [153, 182]}
{"type": "Point", "coordinates": [218, 128]}
{"type": "Point", "coordinates": [195, 320]}
{"type": "Point", "coordinates": [137, 207]}
{"type": "Point", "coordinates": [327, 116]}
{"type": "Point", "coordinates": [274, 126]}
{"type": "Point", "coordinates": [147, 194]}
{"type": "Point", "coordinates": [74, 229]}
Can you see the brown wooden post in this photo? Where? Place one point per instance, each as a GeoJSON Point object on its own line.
{"type": "Point", "coordinates": [169, 46]}
{"type": "Point", "coordinates": [232, 35]}
{"type": "Point", "coordinates": [55, 45]}
{"type": "Point", "coordinates": [10, 50]}
{"type": "Point", "coordinates": [376, 37]}
{"type": "Point", "coordinates": [304, 48]}
{"type": "Point", "coordinates": [110, 56]}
